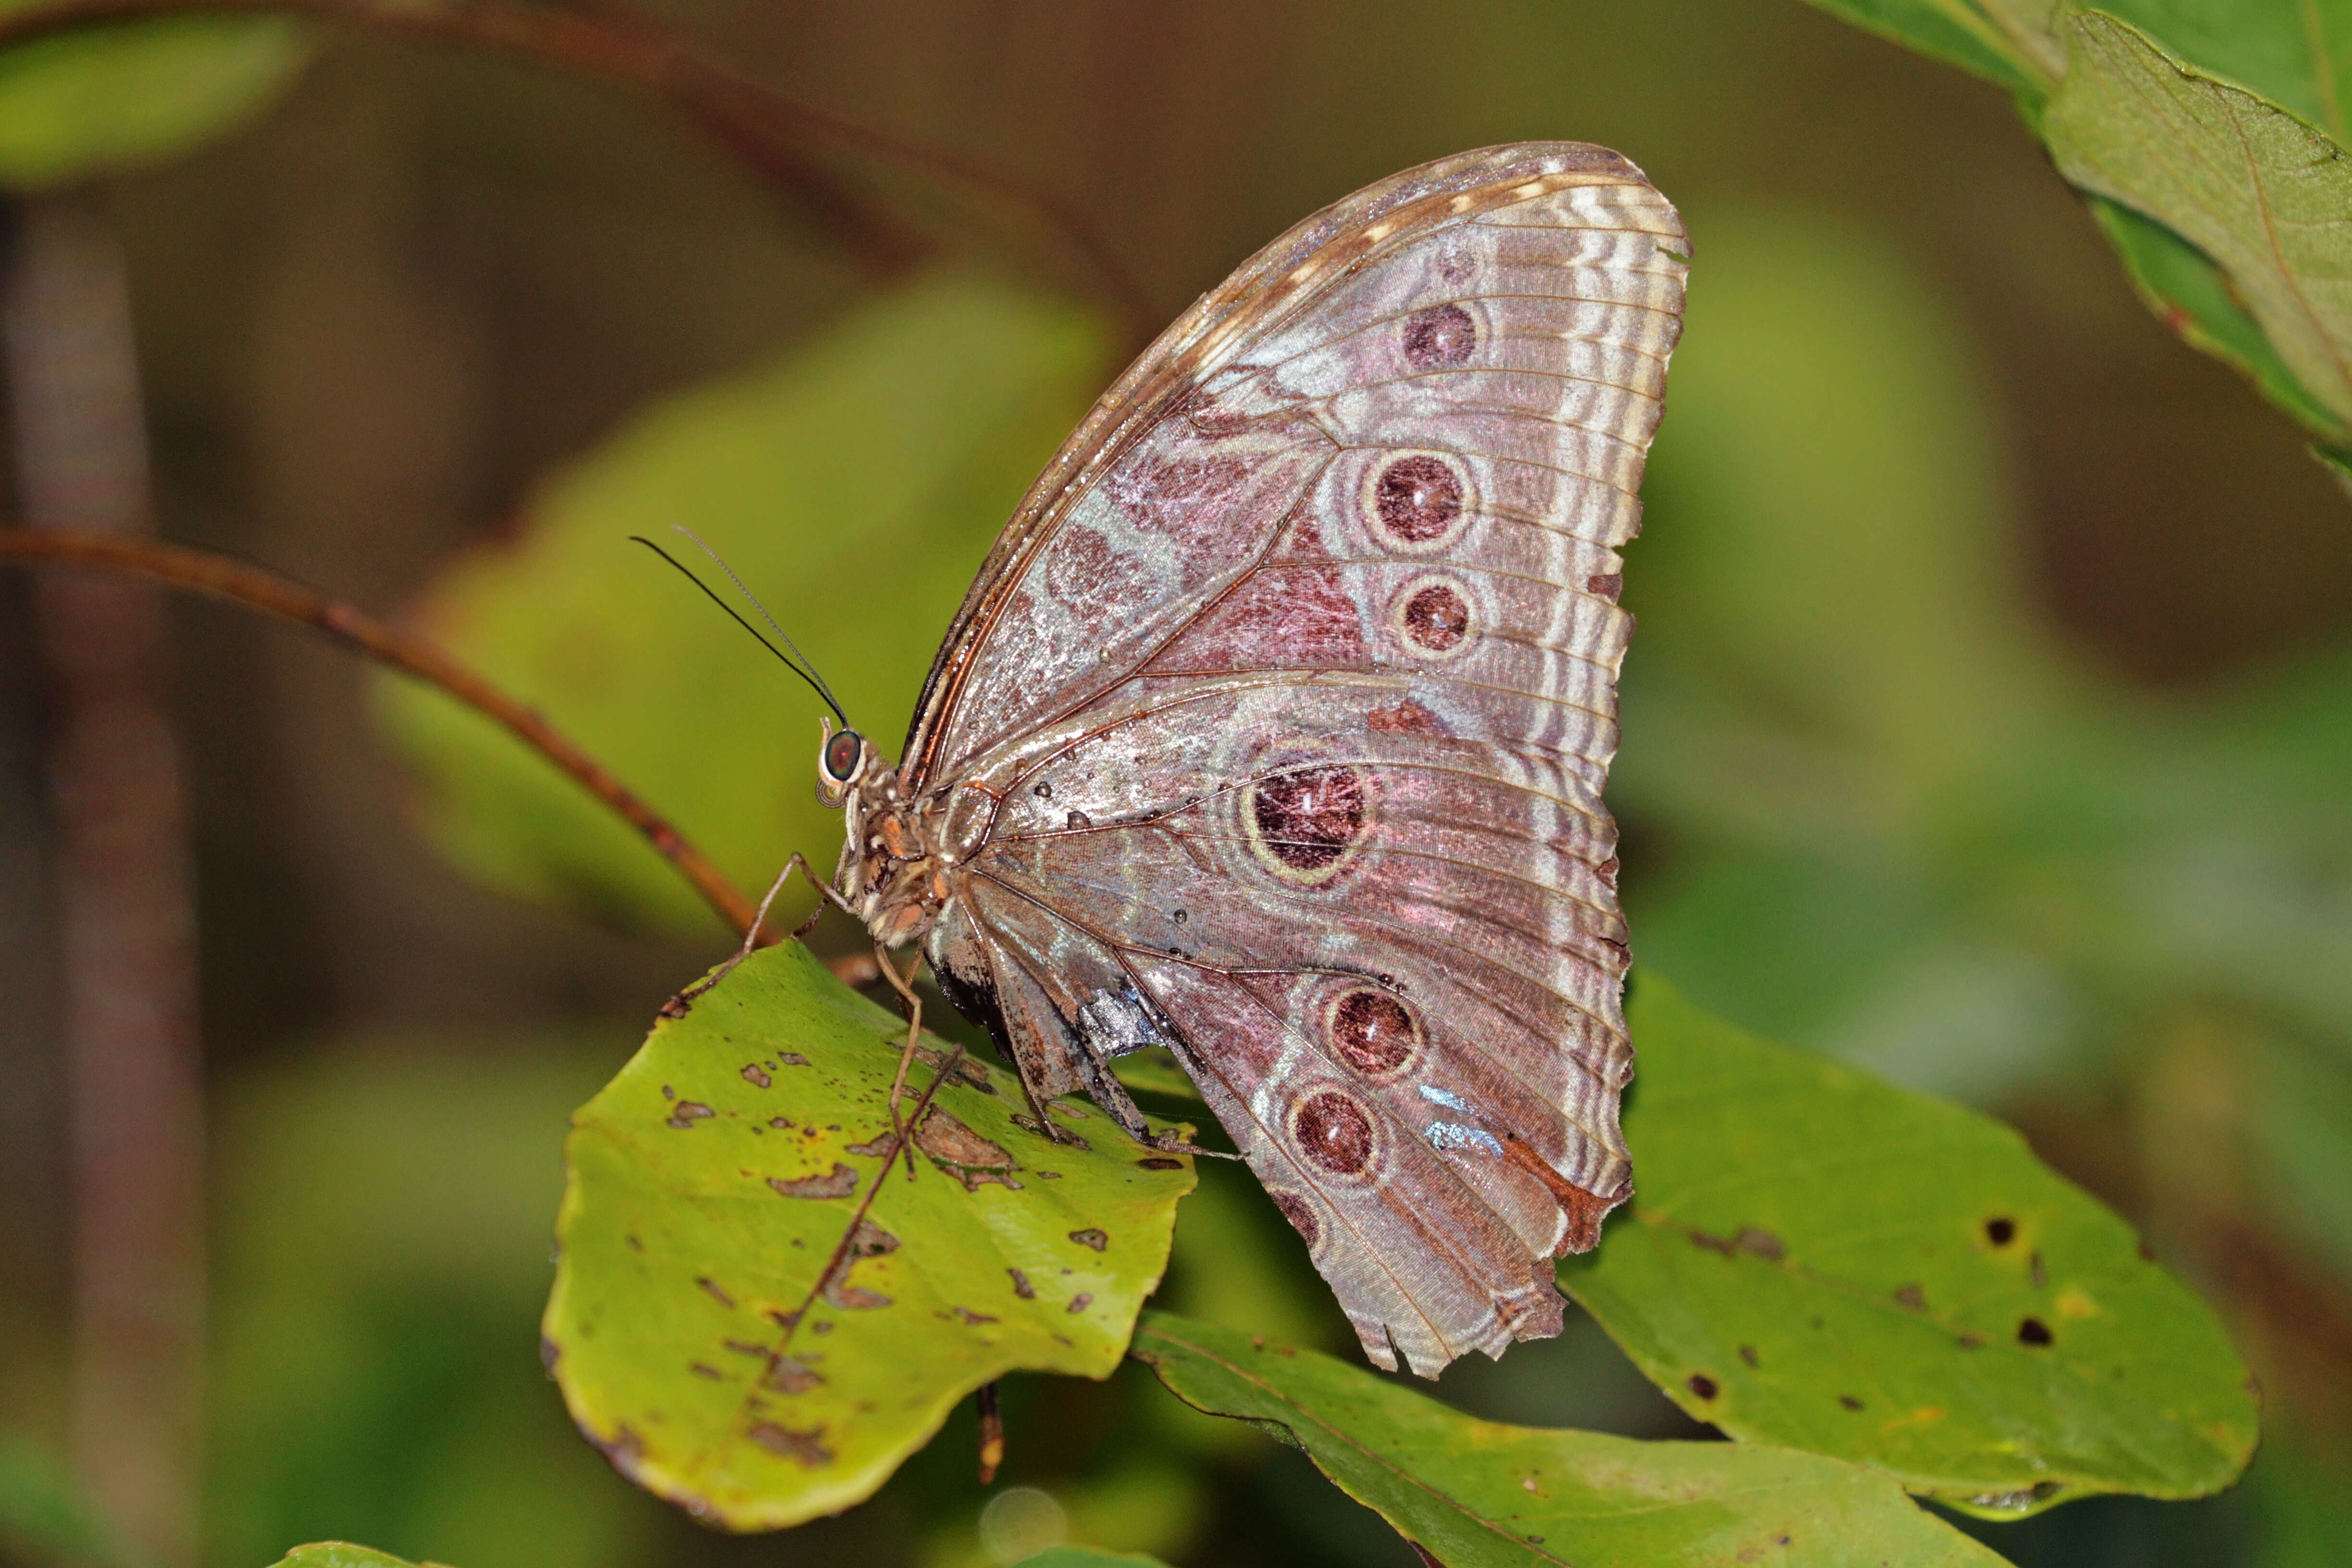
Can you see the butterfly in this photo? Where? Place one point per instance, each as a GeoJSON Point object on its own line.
{"type": "Point", "coordinates": [1275, 727]}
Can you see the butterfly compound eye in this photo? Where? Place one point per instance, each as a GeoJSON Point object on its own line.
{"type": "Point", "coordinates": [841, 755]}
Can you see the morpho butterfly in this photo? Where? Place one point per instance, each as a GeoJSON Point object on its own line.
{"type": "Point", "coordinates": [1275, 728]}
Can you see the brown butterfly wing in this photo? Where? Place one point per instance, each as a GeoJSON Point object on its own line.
{"type": "Point", "coordinates": [1287, 700]}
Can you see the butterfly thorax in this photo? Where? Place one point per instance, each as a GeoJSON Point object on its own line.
{"type": "Point", "coordinates": [898, 862]}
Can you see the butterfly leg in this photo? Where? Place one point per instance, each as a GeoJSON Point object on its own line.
{"type": "Point", "coordinates": [914, 1032]}
{"type": "Point", "coordinates": [676, 1006]}
{"type": "Point", "coordinates": [1105, 1090]}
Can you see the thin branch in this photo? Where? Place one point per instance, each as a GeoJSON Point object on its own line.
{"type": "Point", "coordinates": [222, 577]}
{"type": "Point", "coordinates": [761, 125]}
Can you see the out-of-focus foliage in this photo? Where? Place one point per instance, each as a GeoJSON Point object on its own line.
{"type": "Point", "coordinates": [383, 1255]}
{"type": "Point", "coordinates": [2218, 121]}
{"type": "Point", "coordinates": [1899, 824]}
{"type": "Point", "coordinates": [855, 485]}
{"type": "Point", "coordinates": [40, 1518]}
{"type": "Point", "coordinates": [1823, 1261]}
{"type": "Point", "coordinates": [1909, 832]}
{"type": "Point", "coordinates": [712, 1183]}
{"type": "Point", "coordinates": [1475, 1494]}
{"type": "Point", "coordinates": [92, 103]}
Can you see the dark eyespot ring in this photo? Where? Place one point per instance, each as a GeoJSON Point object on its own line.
{"type": "Point", "coordinates": [841, 755]}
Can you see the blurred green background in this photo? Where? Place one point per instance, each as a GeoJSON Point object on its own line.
{"type": "Point", "coordinates": [1989, 722]}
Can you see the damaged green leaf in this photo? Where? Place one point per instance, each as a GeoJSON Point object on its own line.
{"type": "Point", "coordinates": [705, 1333]}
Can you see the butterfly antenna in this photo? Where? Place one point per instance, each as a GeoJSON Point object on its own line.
{"type": "Point", "coordinates": [806, 663]}
{"type": "Point", "coordinates": [810, 675]}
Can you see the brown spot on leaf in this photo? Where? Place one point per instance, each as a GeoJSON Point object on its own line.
{"type": "Point", "coordinates": [717, 1290]}
{"type": "Point", "coordinates": [968, 1070]}
{"type": "Point", "coordinates": [1703, 1386]}
{"type": "Point", "coordinates": [852, 1297]}
{"type": "Point", "coordinates": [1091, 1237]}
{"type": "Point", "coordinates": [882, 1145]}
{"type": "Point", "coordinates": [952, 1142]}
{"type": "Point", "coordinates": [970, 1318]}
{"type": "Point", "coordinates": [755, 1073]}
{"type": "Point", "coordinates": [1849, 1401]}
{"type": "Point", "coordinates": [687, 1113]}
{"type": "Point", "coordinates": [2034, 1331]}
{"type": "Point", "coordinates": [1021, 1285]}
{"type": "Point", "coordinates": [839, 1182]}
{"type": "Point", "coordinates": [1912, 1297]}
{"type": "Point", "coordinates": [1759, 1243]}
{"type": "Point", "coordinates": [1149, 1162]}
{"type": "Point", "coordinates": [870, 1240]}
{"type": "Point", "coordinates": [744, 1347]}
{"type": "Point", "coordinates": [1747, 1353]}
{"type": "Point", "coordinates": [1081, 1302]}
{"type": "Point", "coordinates": [791, 1059]}
{"type": "Point", "coordinates": [677, 1007]}
{"type": "Point", "coordinates": [2000, 1232]}
{"type": "Point", "coordinates": [701, 1370]}
{"type": "Point", "coordinates": [786, 1375]}
{"type": "Point", "coordinates": [806, 1450]}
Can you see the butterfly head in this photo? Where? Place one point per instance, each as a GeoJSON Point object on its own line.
{"type": "Point", "coordinates": [842, 759]}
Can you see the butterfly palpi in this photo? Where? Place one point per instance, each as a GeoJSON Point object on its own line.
{"type": "Point", "coordinates": [1275, 730]}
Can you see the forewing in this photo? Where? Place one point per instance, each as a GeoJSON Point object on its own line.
{"type": "Point", "coordinates": [1292, 700]}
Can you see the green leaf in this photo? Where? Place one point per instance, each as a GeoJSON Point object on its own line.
{"type": "Point", "coordinates": [855, 485]}
{"type": "Point", "coordinates": [2181, 284]}
{"type": "Point", "coordinates": [2293, 52]}
{"type": "Point", "coordinates": [1088, 1557]}
{"type": "Point", "coordinates": [2264, 195]}
{"type": "Point", "coordinates": [1819, 1259]}
{"type": "Point", "coordinates": [98, 100]}
{"type": "Point", "coordinates": [1953, 31]}
{"type": "Point", "coordinates": [1472, 1493]}
{"type": "Point", "coordinates": [342, 1554]}
{"type": "Point", "coordinates": [714, 1178]}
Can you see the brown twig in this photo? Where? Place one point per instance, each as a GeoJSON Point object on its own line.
{"type": "Point", "coordinates": [203, 571]}
{"type": "Point", "coordinates": [761, 125]}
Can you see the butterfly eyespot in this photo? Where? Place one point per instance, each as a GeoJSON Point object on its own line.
{"type": "Point", "coordinates": [1372, 1030]}
{"type": "Point", "coordinates": [1432, 615]}
{"type": "Point", "coordinates": [1439, 338]}
{"type": "Point", "coordinates": [841, 755]}
{"type": "Point", "coordinates": [1416, 503]}
{"type": "Point", "coordinates": [1303, 823]}
{"type": "Point", "coordinates": [1334, 1131]}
